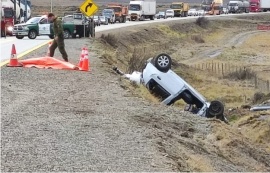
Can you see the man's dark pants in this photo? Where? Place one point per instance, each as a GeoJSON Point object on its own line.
{"type": "Point", "coordinates": [61, 46]}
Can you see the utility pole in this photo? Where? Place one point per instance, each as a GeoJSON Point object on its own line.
{"type": "Point", "coordinates": [15, 1]}
{"type": "Point", "coordinates": [25, 14]}
{"type": "Point", "coordinates": [21, 15]}
{"type": "Point", "coordinates": [51, 6]}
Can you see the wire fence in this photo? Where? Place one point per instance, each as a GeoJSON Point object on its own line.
{"type": "Point", "coordinates": [235, 72]}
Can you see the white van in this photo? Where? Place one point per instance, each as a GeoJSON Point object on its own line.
{"type": "Point", "coordinates": [169, 13]}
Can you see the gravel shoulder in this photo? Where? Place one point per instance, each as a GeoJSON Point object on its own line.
{"type": "Point", "coordinates": [56, 120]}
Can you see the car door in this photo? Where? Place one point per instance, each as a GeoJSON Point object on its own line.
{"type": "Point", "coordinates": [44, 27]}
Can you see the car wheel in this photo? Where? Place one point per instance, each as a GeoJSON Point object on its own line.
{"type": "Point", "coordinates": [163, 62]}
{"type": "Point", "coordinates": [216, 108]}
{"type": "Point", "coordinates": [19, 37]}
{"type": "Point", "coordinates": [51, 36]}
{"type": "Point", "coordinates": [32, 34]}
{"type": "Point", "coordinates": [66, 34]}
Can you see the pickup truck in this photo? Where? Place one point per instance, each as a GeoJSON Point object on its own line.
{"type": "Point", "coordinates": [40, 26]}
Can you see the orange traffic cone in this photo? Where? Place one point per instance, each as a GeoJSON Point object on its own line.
{"type": "Point", "coordinates": [48, 51]}
{"type": "Point", "coordinates": [13, 58]}
{"type": "Point", "coordinates": [85, 65]}
{"type": "Point", "coordinates": [81, 57]}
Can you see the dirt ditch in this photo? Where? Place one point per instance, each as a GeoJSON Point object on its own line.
{"type": "Point", "coordinates": [74, 121]}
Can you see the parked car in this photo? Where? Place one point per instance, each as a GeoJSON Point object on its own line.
{"type": "Point", "coordinates": [104, 20]}
{"type": "Point", "coordinates": [161, 14]}
{"type": "Point", "coordinates": [201, 12]}
{"type": "Point", "coordinates": [169, 13]}
{"type": "Point", "coordinates": [192, 12]}
{"type": "Point", "coordinates": [97, 20]}
{"type": "Point", "coordinates": [225, 10]}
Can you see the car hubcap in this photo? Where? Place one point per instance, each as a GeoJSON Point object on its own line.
{"type": "Point", "coordinates": [32, 34]}
{"type": "Point", "coordinates": [163, 61]}
{"type": "Point", "coordinates": [65, 34]}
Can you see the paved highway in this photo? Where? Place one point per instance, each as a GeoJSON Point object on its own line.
{"type": "Point", "coordinates": [26, 45]}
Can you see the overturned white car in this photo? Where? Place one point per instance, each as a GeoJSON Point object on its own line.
{"type": "Point", "coordinates": [161, 81]}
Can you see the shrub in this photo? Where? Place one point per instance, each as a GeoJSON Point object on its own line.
{"type": "Point", "coordinates": [258, 96]}
{"type": "Point", "coordinates": [241, 74]}
{"type": "Point", "coordinates": [110, 39]}
{"type": "Point", "coordinates": [202, 22]}
{"type": "Point", "coordinates": [137, 60]}
{"type": "Point", "coordinates": [197, 38]}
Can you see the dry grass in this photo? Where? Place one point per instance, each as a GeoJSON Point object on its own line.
{"type": "Point", "coordinates": [256, 127]}
{"type": "Point", "coordinates": [202, 22]}
{"type": "Point", "coordinates": [254, 53]}
{"type": "Point", "coordinates": [110, 39]}
{"type": "Point", "coordinates": [138, 90]}
{"type": "Point", "coordinates": [187, 41]}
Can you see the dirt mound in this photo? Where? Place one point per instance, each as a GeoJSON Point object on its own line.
{"type": "Point", "coordinates": [192, 144]}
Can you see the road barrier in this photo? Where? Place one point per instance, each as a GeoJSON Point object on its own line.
{"type": "Point", "coordinates": [13, 58]}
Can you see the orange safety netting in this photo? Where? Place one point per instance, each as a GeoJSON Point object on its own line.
{"type": "Point", "coordinates": [48, 63]}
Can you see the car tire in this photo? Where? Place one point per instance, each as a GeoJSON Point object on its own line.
{"type": "Point", "coordinates": [51, 36]}
{"type": "Point", "coordinates": [163, 62]}
{"type": "Point", "coordinates": [216, 108]}
{"type": "Point", "coordinates": [66, 34]}
{"type": "Point", "coordinates": [32, 34]}
{"type": "Point", "coordinates": [3, 34]}
{"type": "Point", "coordinates": [19, 37]}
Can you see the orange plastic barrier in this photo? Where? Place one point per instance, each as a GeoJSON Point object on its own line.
{"type": "Point", "coordinates": [48, 63]}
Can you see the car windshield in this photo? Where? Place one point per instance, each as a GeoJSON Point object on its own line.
{"type": "Point", "coordinates": [161, 13]}
{"type": "Point", "coordinates": [207, 2]}
{"type": "Point", "coordinates": [8, 12]}
{"type": "Point", "coordinates": [116, 9]}
{"type": "Point", "coordinates": [95, 17]}
{"type": "Point", "coordinates": [192, 10]}
{"type": "Point", "coordinates": [134, 7]}
{"type": "Point", "coordinates": [102, 17]}
{"type": "Point", "coordinates": [33, 20]}
{"type": "Point", "coordinates": [232, 4]}
{"type": "Point", "coordinates": [176, 6]}
{"type": "Point", "coordinates": [107, 11]}
{"type": "Point", "coordinates": [169, 12]}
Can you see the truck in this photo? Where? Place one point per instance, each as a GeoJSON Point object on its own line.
{"type": "Point", "coordinates": [7, 14]}
{"type": "Point", "coordinates": [7, 17]}
{"type": "Point", "coordinates": [180, 9]}
{"type": "Point", "coordinates": [120, 12]}
{"type": "Point", "coordinates": [25, 10]}
{"type": "Point", "coordinates": [109, 14]}
{"type": "Point", "coordinates": [142, 9]}
{"type": "Point", "coordinates": [259, 5]}
{"type": "Point", "coordinates": [216, 7]}
{"type": "Point", "coordinates": [238, 6]}
{"type": "Point", "coordinates": [73, 25]}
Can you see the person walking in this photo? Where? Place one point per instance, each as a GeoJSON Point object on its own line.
{"type": "Point", "coordinates": [58, 40]}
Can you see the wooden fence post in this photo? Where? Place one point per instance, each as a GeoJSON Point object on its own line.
{"type": "Point", "coordinates": [222, 72]}
{"type": "Point", "coordinates": [268, 87]}
{"type": "Point", "coordinates": [256, 82]}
